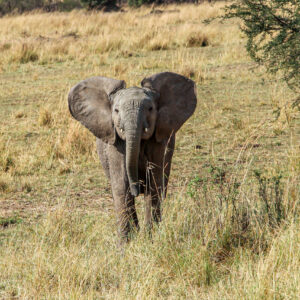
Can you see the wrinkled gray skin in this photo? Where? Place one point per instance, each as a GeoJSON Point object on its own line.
{"type": "Point", "coordinates": [135, 162]}
{"type": "Point", "coordinates": [135, 130]}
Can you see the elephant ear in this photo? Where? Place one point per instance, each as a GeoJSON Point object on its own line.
{"type": "Point", "coordinates": [176, 103]}
{"type": "Point", "coordinates": [89, 103]}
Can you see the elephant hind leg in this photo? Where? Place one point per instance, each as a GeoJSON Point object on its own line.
{"type": "Point", "coordinates": [152, 210]}
{"type": "Point", "coordinates": [153, 194]}
{"type": "Point", "coordinates": [133, 219]}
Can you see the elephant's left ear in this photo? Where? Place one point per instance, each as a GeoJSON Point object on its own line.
{"type": "Point", "coordinates": [176, 103]}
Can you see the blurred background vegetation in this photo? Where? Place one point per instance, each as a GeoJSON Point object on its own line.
{"type": "Point", "coordinates": [20, 6]}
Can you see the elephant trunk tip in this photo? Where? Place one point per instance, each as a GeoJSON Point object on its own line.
{"type": "Point", "coordinates": [135, 189]}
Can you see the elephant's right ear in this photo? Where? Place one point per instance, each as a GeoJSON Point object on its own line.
{"type": "Point", "coordinates": [89, 104]}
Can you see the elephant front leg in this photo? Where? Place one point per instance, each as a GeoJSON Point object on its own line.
{"type": "Point", "coordinates": [124, 202]}
{"type": "Point", "coordinates": [126, 215]}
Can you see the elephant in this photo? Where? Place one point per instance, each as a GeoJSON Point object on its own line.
{"type": "Point", "coordinates": [135, 136]}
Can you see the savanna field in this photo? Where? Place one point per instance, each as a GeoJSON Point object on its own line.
{"type": "Point", "coordinates": [230, 226]}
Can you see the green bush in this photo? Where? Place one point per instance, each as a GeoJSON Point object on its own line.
{"type": "Point", "coordinates": [273, 31]}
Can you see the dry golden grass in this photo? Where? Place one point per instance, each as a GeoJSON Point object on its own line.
{"type": "Point", "coordinates": [78, 35]}
{"type": "Point", "coordinates": [230, 227]}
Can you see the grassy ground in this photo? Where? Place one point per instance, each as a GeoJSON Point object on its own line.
{"type": "Point", "coordinates": [230, 227]}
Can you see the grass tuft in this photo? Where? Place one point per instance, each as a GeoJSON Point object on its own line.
{"type": "Point", "coordinates": [5, 222]}
{"type": "Point", "coordinates": [197, 39]}
{"type": "Point", "coordinates": [6, 162]}
{"type": "Point", "coordinates": [45, 118]}
{"type": "Point", "coordinates": [19, 115]}
{"type": "Point", "coordinates": [3, 186]}
{"type": "Point", "coordinates": [25, 54]}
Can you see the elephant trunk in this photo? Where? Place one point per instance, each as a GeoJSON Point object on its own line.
{"type": "Point", "coordinates": [133, 130]}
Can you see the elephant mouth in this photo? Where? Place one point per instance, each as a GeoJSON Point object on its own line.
{"type": "Point", "coordinates": [147, 133]}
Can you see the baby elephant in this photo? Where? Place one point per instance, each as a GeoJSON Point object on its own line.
{"type": "Point", "coordinates": [135, 129]}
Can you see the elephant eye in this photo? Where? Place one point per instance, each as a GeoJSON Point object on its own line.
{"type": "Point", "coordinates": [150, 108]}
{"type": "Point", "coordinates": [116, 110]}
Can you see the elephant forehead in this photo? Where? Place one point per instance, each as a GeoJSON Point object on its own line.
{"type": "Point", "coordinates": [134, 93]}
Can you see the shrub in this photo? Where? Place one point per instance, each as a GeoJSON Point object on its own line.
{"type": "Point", "coordinates": [273, 31]}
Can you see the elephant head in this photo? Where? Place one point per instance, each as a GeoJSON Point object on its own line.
{"type": "Point", "coordinates": [110, 111]}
